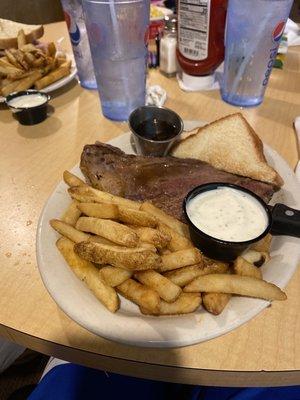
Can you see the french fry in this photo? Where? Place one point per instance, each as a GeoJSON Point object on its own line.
{"type": "Point", "coordinates": [66, 64]}
{"type": "Point", "coordinates": [136, 217]}
{"type": "Point", "coordinates": [60, 60]}
{"type": "Point", "coordinates": [147, 246]}
{"type": "Point", "coordinates": [8, 69]}
{"type": "Point", "coordinates": [89, 274]}
{"type": "Point", "coordinates": [139, 294]}
{"type": "Point", "coordinates": [29, 58]}
{"type": "Point", "coordinates": [72, 180]}
{"type": "Point", "coordinates": [52, 77]}
{"type": "Point", "coordinates": [235, 284]}
{"type": "Point", "coordinates": [9, 88]}
{"type": "Point", "coordinates": [166, 219]}
{"type": "Point", "coordinates": [21, 38]}
{"type": "Point", "coordinates": [263, 245]}
{"type": "Point", "coordinates": [101, 240]}
{"type": "Point", "coordinates": [179, 259]}
{"type": "Point", "coordinates": [152, 236]}
{"type": "Point", "coordinates": [244, 268]}
{"type": "Point", "coordinates": [76, 235]}
{"type": "Point", "coordinates": [12, 58]}
{"type": "Point", "coordinates": [18, 76]}
{"type": "Point", "coordinates": [97, 210]}
{"type": "Point", "coordinates": [111, 230]}
{"type": "Point", "coordinates": [39, 62]}
{"type": "Point", "coordinates": [21, 60]}
{"type": "Point", "coordinates": [257, 258]}
{"type": "Point", "coordinates": [69, 231]}
{"type": "Point", "coordinates": [186, 303]}
{"type": "Point", "coordinates": [185, 275]}
{"type": "Point", "coordinates": [51, 49]}
{"type": "Point", "coordinates": [178, 242]}
{"type": "Point", "coordinates": [114, 276]}
{"type": "Point", "coordinates": [215, 302]}
{"type": "Point", "coordinates": [71, 214]}
{"type": "Point", "coordinates": [166, 289]}
{"type": "Point", "coordinates": [28, 48]}
{"type": "Point", "coordinates": [26, 83]}
{"type": "Point", "coordinates": [136, 258]}
{"type": "Point", "coordinates": [87, 194]}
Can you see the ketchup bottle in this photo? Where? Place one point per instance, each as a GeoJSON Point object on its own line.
{"type": "Point", "coordinates": [201, 26]}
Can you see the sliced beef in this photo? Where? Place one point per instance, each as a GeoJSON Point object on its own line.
{"type": "Point", "coordinates": [165, 181]}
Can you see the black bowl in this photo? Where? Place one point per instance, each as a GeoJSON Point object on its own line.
{"type": "Point", "coordinates": [29, 115]}
{"type": "Point", "coordinates": [218, 249]}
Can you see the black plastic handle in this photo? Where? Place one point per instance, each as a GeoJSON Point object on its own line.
{"type": "Point", "coordinates": [285, 220]}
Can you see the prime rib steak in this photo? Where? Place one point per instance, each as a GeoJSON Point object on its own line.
{"type": "Point", "coordinates": [165, 181]}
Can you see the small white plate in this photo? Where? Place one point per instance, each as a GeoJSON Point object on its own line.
{"type": "Point", "coordinates": [128, 325]}
{"type": "Point", "coordinates": [58, 84]}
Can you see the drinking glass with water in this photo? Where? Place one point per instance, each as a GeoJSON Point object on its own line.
{"type": "Point", "coordinates": [118, 33]}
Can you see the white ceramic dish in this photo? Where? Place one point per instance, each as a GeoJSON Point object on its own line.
{"type": "Point", "coordinates": [128, 325]}
{"type": "Point", "coordinates": [58, 84]}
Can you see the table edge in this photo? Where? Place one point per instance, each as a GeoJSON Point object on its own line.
{"type": "Point", "coordinates": [174, 374]}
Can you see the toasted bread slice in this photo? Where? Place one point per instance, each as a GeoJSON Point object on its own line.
{"type": "Point", "coordinates": [9, 32]}
{"type": "Point", "coordinates": [229, 144]}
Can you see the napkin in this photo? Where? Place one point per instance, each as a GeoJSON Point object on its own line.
{"type": "Point", "coordinates": [155, 96]}
{"type": "Point", "coordinates": [292, 32]}
{"type": "Point", "coordinates": [297, 129]}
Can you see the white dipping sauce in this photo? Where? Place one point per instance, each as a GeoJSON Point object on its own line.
{"type": "Point", "coordinates": [228, 214]}
{"type": "Point", "coordinates": [28, 100]}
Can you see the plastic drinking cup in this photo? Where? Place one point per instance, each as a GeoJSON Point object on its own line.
{"type": "Point", "coordinates": [118, 35]}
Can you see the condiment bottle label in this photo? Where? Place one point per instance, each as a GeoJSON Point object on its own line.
{"type": "Point", "coordinates": [193, 28]}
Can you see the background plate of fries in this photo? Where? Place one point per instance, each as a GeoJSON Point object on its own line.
{"type": "Point", "coordinates": [39, 66]}
{"type": "Point", "coordinates": [132, 324]}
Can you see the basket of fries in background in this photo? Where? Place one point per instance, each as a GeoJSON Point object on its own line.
{"type": "Point", "coordinates": [29, 65]}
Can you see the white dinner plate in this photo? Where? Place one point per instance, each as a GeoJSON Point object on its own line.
{"type": "Point", "coordinates": [128, 325]}
{"type": "Point", "coordinates": [58, 84]}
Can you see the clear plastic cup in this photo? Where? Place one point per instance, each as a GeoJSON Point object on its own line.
{"type": "Point", "coordinates": [118, 34]}
{"type": "Point", "coordinates": [253, 33]}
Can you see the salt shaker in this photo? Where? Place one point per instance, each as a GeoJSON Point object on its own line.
{"type": "Point", "coordinates": [168, 43]}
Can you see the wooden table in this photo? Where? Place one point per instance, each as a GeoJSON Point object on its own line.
{"type": "Point", "coordinates": [263, 352]}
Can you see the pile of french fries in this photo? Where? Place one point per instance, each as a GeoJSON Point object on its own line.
{"type": "Point", "coordinates": [122, 247]}
{"type": "Point", "coordinates": [31, 66]}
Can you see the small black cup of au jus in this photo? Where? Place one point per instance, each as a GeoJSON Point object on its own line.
{"type": "Point", "coordinates": [28, 106]}
{"type": "Point", "coordinates": [155, 129]}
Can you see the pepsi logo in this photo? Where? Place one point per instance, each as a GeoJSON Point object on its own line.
{"type": "Point", "coordinates": [74, 31]}
{"type": "Point", "coordinates": [278, 31]}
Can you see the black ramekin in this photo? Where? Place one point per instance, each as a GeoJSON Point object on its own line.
{"type": "Point", "coordinates": [216, 248]}
{"type": "Point", "coordinates": [29, 115]}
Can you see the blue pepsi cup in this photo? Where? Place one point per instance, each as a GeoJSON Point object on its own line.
{"type": "Point", "coordinates": [81, 49]}
{"type": "Point", "coordinates": [118, 35]}
{"type": "Point", "coordinates": [253, 33]}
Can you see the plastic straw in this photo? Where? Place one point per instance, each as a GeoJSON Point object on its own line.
{"type": "Point", "coordinates": [118, 46]}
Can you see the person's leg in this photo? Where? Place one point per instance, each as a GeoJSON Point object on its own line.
{"type": "Point", "coordinates": [70, 381]}
{"type": "Point", "coordinates": [9, 352]}
{"type": "Point", "coordinates": [221, 393]}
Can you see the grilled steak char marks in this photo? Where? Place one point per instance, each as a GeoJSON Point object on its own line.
{"type": "Point", "coordinates": [165, 181]}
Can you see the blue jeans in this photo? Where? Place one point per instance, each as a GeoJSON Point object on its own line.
{"type": "Point", "coordinates": [75, 382]}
